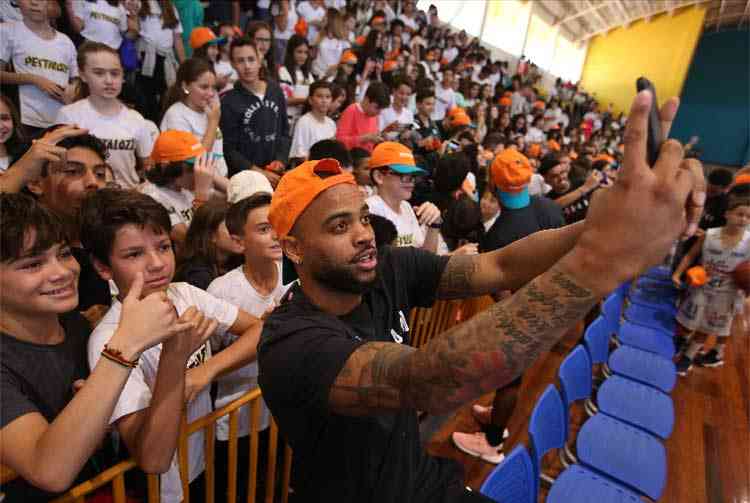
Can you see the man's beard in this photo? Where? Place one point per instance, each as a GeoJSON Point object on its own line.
{"type": "Point", "coordinates": [342, 279]}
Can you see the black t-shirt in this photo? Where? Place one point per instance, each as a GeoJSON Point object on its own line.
{"type": "Point", "coordinates": [39, 378]}
{"type": "Point", "coordinates": [575, 211]}
{"type": "Point", "coordinates": [515, 224]}
{"type": "Point", "coordinates": [375, 459]}
{"type": "Point", "coordinates": [92, 289]}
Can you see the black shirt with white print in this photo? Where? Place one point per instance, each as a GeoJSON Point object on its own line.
{"type": "Point", "coordinates": [370, 459]}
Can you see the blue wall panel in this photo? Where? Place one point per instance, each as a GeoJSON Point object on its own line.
{"type": "Point", "coordinates": [716, 98]}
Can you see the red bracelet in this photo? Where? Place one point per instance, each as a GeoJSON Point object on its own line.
{"type": "Point", "coordinates": [115, 355]}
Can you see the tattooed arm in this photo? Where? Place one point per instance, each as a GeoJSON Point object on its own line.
{"type": "Point", "coordinates": [508, 268]}
{"type": "Point", "coordinates": [486, 352]}
{"type": "Point", "coordinates": [629, 227]}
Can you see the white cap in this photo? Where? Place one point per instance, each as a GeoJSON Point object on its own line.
{"type": "Point", "coordinates": [246, 183]}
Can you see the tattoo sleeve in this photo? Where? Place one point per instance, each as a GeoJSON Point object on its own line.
{"type": "Point", "coordinates": [480, 355]}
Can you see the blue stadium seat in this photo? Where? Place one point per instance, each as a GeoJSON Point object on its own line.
{"type": "Point", "coordinates": [628, 361]}
{"type": "Point", "coordinates": [659, 318]}
{"type": "Point", "coordinates": [648, 339]}
{"type": "Point", "coordinates": [512, 481]}
{"type": "Point", "coordinates": [580, 485]}
{"type": "Point", "coordinates": [625, 453]}
{"type": "Point", "coordinates": [643, 406]}
{"type": "Point", "coordinates": [645, 367]}
{"type": "Point", "coordinates": [607, 444]}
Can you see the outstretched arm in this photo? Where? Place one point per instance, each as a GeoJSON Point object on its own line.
{"type": "Point", "coordinates": [629, 227]}
{"type": "Point", "coordinates": [508, 268]}
{"type": "Point", "coordinates": [473, 358]}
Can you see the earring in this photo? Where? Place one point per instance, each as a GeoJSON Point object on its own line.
{"type": "Point", "coordinates": [184, 90]}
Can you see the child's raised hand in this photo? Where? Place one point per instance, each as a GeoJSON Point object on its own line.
{"type": "Point", "coordinates": [203, 172]}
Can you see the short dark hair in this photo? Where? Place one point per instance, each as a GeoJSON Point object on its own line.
{"type": "Point", "coordinates": [320, 84]}
{"type": "Point", "coordinates": [378, 93]}
{"type": "Point", "coordinates": [548, 162]}
{"type": "Point", "coordinates": [87, 141]}
{"type": "Point", "coordinates": [721, 177]}
{"type": "Point", "coordinates": [424, 94]}
{"type": "Point", "coordinates": [244, 41]}
{"type": "Point", "coordinates": [402, 80]}
{"type": "Point", "coordinates": [106, 211]}
{"type": "Point", "coordinates": [333, 149]}
{"type": "Point", "coordinates": [23, 214]}
{"type": "Point", "coordinates": [385, 230]}
{"type": "Point", "coordinates": [358, 154]}
{"type": "Point", "coordinates": [238, 212]}
{"type": "Point", "coordinates": [163, 174]}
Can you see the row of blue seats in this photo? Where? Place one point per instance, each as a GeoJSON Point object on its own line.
{"type": "Point", "coordinates": [619, 454]}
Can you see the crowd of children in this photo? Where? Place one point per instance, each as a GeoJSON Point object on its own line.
{"type": "Point", "coordinates": [140, 145]}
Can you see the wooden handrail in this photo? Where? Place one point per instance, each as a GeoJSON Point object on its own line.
{"type": "Point", "coordinates": [116, 474]}
{"type": "Point", "coordinates": [425, 323]}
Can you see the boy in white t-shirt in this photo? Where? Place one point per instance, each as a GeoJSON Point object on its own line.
{"type": "Point", "coordinates": [315, 125]}
{"type": "Point", "coordinates": [396, 118]}
{"type": "Point", "coordinates": [44, 62]}
{"type": "Point", "coordinates": [127, 234]}
{"type": "Point", "coordinates": [394, 172]}
{"type": "Point", "coordinates": [256, 286]}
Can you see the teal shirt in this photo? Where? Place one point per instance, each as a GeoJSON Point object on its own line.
{"type": "Point", "coordinates": [191, 16]}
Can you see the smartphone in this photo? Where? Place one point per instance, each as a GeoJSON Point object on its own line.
{"type": "Point", "coordinates": [655, 134]}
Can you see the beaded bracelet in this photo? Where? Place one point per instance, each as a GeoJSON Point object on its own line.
{"type": "Point", "coordinates": [115, 355]}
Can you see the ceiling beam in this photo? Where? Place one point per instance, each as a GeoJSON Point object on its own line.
{"type": "Point", "coordinates": [576, 15]}
{"type": "Point", "coordinates": [640, 16]}
{"type": "Point", "coordinates": [598, 14]}
{"type": "Point", "coordinates": [746, 14]}
{"type": "Point", "coordinates": [721, 14]}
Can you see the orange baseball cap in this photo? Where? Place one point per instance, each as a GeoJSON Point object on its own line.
{"type": "Point", "coordinates": [696, 276]}
{"type": "Point", "coordinates": [553, 145]}
{"type": "Point", "coordinates": [534, 150]}
{"type": "Point", "coordinates": [507, 94]}
{"type": "Point", "coordinates": [742, 180]}
{"type": "Point", "coordinates": [460, 118]}
{"type": "Point", "coordinates": [299, 187]}
{"type": "Point", "coordinates": [454, 110]}
{"type": "Point", "coordinates": [201, 36]}
{"type": "Point", "coordinates": [348, 57]}
{"type": "Point", "coordinates": [394, 156]}
{"type": "Point", "coordinates": [539, 105]}
{"type": "Point", "coordinates": [604, 157]}
{"type": "Point", "coordinates": [175, 146]}
{"type": "Point", "coordinates": [360, 40]}
{"type": "Point", "coordinates": [390, 65]}
{"type": "Point", "coordinates": [505, 101]}
{"type": "Point", "coordinates": [377, 20]}
{"type": "Point", "coordinates": [511, 173]}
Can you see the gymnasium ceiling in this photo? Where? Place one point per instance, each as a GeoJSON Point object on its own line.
{"type": "Point", "coordinates": [583, 19]}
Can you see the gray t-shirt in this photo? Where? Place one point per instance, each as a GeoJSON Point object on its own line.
{"type": "Point", "coordinates": [39, 378]}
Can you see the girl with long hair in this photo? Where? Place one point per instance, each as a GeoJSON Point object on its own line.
{"type": "Point", "coordinates": [97, 107]}
{"type": "Point", "coordinates": [295, 77]}
{"type": "Point", "coordinates": [332, 43]}
{"type": "Point", "coordinates": [209, 251]}
{"type": "Point", "coordinates": [12, 135]}
{"type": "Point", "coordinates": [192, 105]}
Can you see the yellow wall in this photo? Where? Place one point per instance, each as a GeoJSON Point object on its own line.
{"type": "Point", "coordinates": [660, 49]}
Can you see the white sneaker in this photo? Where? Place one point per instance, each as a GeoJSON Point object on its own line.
{"type": "Point", "coordinates": [475, 444]}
